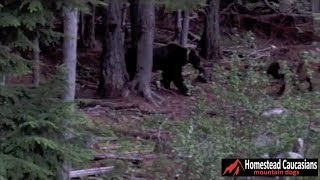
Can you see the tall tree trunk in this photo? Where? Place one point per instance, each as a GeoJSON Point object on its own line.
{"type": "Point", "coordinates": [134, 22]}
{"type": "Point", "coordinates": [185, 28]}
{"type": "Point", "coordinates": [92, 28]}
{"type": "Point", "coordinates": [124, 11]}
{"type": "Point", "coordinates": [316, 15]}
{"type": "Point", "coordinates": [36, 57]}
{"type": "Point", "coordinates": [2, 80]}
{"type": "Point", "coordinates": [82, 29]}
{"type": "Point", "coordinates": [144, 46]}
{"type": "Point", "coordinates": [70, 29]}
{"type": "Point", "coordinates": [146, 19]}
{"type": "Point", "coordinates": [285, 6]}
{"type": "Point", "coordinates": [70, 24]}
{"type": "Point", "coordinates": [316, 6]}
{"type": "Point", "coordinates": [113, 69]}
{"type": "Point", "coordinates": [88, 28]}
{"type": "Point", "coordinates": [210, 40]}
{"type": "Point", "coordinates": [178, 25]}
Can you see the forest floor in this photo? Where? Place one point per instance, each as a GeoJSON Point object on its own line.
{"type": "Point", "coordinates": [186, 137]}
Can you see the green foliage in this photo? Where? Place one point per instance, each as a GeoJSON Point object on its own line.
{"type": "Point", "coordinates": [38, 130]}
{"type": "Point", "coordinates": [200, 145]}
{"type": "Point", "coordinates": [7, 19]}
{"type": "Point", "coordinates": [20, 20]}
{"type": "Point", "coordinates": [233, 131]}
{"type": "Point", "coordinates": [34, 123]}
{"type": "Point", "coordinates": [11, 63]}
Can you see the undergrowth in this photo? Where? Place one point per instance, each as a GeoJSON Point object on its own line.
{"type": "Point", "coordinates": [39, 132]}
{"type": "Point", "coordinates": [238, 122]}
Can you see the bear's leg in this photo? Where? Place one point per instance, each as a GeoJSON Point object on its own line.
{"type": "Point", "coordinates": [310, 83]}
{"type": "Point", "coordinates": [166, 79]}
{"type": "Point", "coordinates": [178, 82]}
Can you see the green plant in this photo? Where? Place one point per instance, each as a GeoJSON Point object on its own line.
{"type": "Point", "coordinates": [241, 101]}
{"type": "Point", "coordinates": [201, 144]}
{"type": "Point", "coordinates": [34, 123]}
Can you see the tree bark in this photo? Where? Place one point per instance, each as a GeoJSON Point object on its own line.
{"type": "Point", "coordinates": [36, 57]}
{"type": "Point", "coordinates": [92, 28]}
{"type": "Point", "coordinates": [82, 29]}
{"type": "Point", "coordinates": [145, 37]}
{"type": "Point", "coordinates": [90, 172]}
{"type": "Point", "coordinates": [210, 40]}
{"type": "Point", "coordinates": [70, 24]}
{"type": "Point", "coordinates": [70, 29]}
{"type": "Point", "coordinates": [88, 28]}
{"type": "Point", "coordinates": [134, 23]}
{"type": "Point", "coordinates": [2, 80]}
{"type": "Point", "coordinates": [185, 28]}
{"type": "Point", "coordinates": [124, 11]}
{"type": "Point", "coordinates": [178, 25]}
{"type": "Point", "coordinates": [113, 72]}
{"type": "Point", "coordinates": [316, 16]}
{"type": "Point", "coordinates": [146, 16]}
{"type": "Point", "coordinates": [315, 6]}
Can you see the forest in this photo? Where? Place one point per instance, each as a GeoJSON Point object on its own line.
{"type": "Point", "coordinates": [157, 89]}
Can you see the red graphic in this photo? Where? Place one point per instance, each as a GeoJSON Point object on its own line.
{"type": "Point", "coordinates": [232, 167]}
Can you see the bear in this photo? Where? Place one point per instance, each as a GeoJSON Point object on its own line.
{"type": "Point", "coordinates": [300, 76]}
{"type": "Point", "coordinates": [274, 71]}
{"type": "Point", "coordinates": [169, 59]}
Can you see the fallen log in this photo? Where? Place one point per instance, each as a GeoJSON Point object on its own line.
{"type": "Point", "coordinates": [136, 157]}
{"type": "Point", "coordinates": [85, 103]}
{"type": "Point", "coordinates": [156, 136]}
{"type": "Point", "coordinates": [90, 172]}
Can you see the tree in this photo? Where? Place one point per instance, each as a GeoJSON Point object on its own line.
{"type": "Point", "coordinates": [316, 17]}
{"type": "Point", "coordinates": [87, 27]}
{"type": "Point", "coordinates": [185, 28]}
{"type": "Point", "coordinates": [315, 6]}
{"type": "Point", "coordinates": [113, 68]}
{"type": "Point", "coordinates": [143, 17]}
{"type": "Point", "coordinates": [32, 120]}
{"type": "Point", "coordinates": [183, 9]}
{"type": "Point", "coordinates": [70, 25]}
{"type": "Point", "coordinates": [92, 27]}
{"type": "Point", "coordinates": [70, 29]}
{"type": "Point", "coordinates": [134, 23]}
{"type": "Point", "coordinates": [210, 40]}
{"type": "Point", "coordinates": [182, 27]}
{"type": "Point", "coordinates": [178, 25]}
{"type": "Point", "coordinates": [2, 80]}
{"type": "Point", "coordinates": [36, 57]}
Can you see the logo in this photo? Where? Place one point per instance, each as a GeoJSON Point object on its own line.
{"type": "Point", "coordinates": [234, 166]}
{"type": "Point", "coordinates": [269, 167]}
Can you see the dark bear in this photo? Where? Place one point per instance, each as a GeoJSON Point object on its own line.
{"type": "Point", "coordinates": [169, 59]}
{"type": "Point", "coordinates": [274, 71]}
{"type": "Point", "coordinates": [300, 76]}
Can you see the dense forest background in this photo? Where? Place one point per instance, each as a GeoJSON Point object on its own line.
{"type": "Point", "coordinates": [156, 89]}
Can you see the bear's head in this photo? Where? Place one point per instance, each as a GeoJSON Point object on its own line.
{"type": "Point", "coordinates": [195, 60]}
